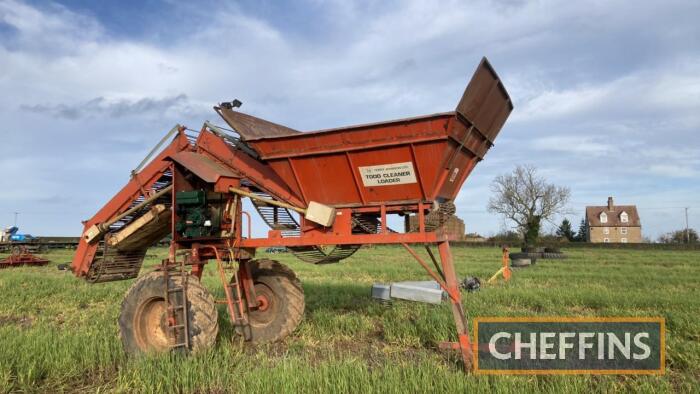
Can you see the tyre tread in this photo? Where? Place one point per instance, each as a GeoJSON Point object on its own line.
{"type": "Point", "coordinates": [293, 292]}
{"type": "Point", "coordinates": [203, 315]}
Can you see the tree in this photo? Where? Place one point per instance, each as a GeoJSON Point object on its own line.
{"type": "Point", "coordinates": [582, 235]}
{"type": "Point", "coordinates": [526, 199]}
{"type": "Point", "coordinates": [679, 237]}
{"type": "Point", "coordinates": [565, 230]}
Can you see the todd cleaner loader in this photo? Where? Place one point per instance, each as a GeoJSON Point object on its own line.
{"type": "Point", "coordinates": [323, 194]}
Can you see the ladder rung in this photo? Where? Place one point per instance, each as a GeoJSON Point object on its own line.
{"type": "Point", "coordinates": [175, 289]}
{"type": "Point", "coordinates": [177, 326]}
{"type": "Point", "coordinates": [176, 307]}
{"type": "Point", "coordinates": [182, 344]}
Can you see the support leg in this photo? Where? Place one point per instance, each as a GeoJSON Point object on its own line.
{"type": "Point", "coordinates": [455, 297]}
{"type": "Point", "coordinates": [245, 277]}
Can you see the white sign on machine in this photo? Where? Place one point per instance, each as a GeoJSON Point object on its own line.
{"type": "Point", "coordinates": [388, 174]}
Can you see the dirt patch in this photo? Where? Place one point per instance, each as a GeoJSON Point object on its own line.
{"type": "Point", "coordinates": [582, 310]}
{"type": "Point", "coordinates": [272, 350]}
{"type": "Point", "coordinates": [24, 322]}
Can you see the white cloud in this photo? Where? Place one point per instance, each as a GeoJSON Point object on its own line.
{"type": "Point", "coordinates": [665, 89]}
{"type": "Point", "coordinates": [674, 171]}
{"type": "Point", "coordinates": [620, 87]}
{"type": "Point", "coordinates": [99, 107]}
{"type": "Point", "coordinates": [580, 145]}
{"type": "Point", "coordinates": [50, 29]}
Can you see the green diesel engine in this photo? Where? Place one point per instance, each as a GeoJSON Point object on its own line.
{"type": "Point", "coordinates": [198, 214]}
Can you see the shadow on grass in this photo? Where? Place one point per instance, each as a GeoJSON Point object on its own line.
{"type": "Point", "coordinates": [340, 297]}
{"type": "Point", "coordinates": [343, 320]}
{"type": "Point", "coordinates": [320, 297]}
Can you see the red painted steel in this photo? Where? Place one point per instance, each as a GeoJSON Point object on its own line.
{"type": "Point", "coordinates": [366, 172]}
{"type": "Point", "coordinates": [21, 256]}
{"type": "Point", "coordinates": [262, 175]}
{"type": "Point", "coordinates": [345, 239]}
{"type": "Point", "coordinates": [122, 201]}
{"type": "Point", "coordinates": [442, 149]}
{"type": "Point", "coordinates": [458, 314]}
{"type": "Point", "coordinates": [325, 166]}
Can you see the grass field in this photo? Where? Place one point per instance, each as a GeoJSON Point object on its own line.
{"type": "Point", "coordinates": [58, 333]}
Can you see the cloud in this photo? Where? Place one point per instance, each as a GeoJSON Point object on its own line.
{"type": "Point", "coordinates": [605, 93]}
{"type": "Point", "coordinates": [663, 90]}
{"type": "Point", "coordinates": [51, 29]}
{"type": "Point", "coordinates": [100, 107]}
{"type": "Point", "coordinates": [579, 145]}
{"type": "Point", "coordinates": [674, 171]}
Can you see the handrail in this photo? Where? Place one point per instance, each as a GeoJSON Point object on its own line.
{"type": "Point", "coordinates": [248, 216]}
{"type": "Point", "coordinates": [160, 143]}
{"type": "Point", "coordinates": [237, 142]}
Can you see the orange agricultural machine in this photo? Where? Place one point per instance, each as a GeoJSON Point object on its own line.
{"type": "Point", "coordinates": [21, 256]}
{"type": "Point", "coordinates": [323, 194]}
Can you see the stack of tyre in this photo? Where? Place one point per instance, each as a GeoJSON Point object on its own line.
{"type": "Point", "coordinates": [553, 253]}
{"type": "Point", "coordinates": [529, 256]}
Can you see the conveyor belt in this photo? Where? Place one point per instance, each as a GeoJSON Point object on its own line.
{"type": "Point", "coordinates": [110, 264]}
{"type": "Point", "coordinates": [281, 219]}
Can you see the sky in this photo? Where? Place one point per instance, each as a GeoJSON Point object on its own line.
{"type": "Point", "coordinates": [606, 93]}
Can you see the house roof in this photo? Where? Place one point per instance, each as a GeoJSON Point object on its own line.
{"type": "Point", "coordinates": [593, 216]}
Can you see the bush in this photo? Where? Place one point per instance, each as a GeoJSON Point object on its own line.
{"type": "Point", "coordinates": [506, 238]}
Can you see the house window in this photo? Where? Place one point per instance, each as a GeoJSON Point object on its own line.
{"type": "Point", "coordinates": [623, 230]}
{"type": "Point", "coordinates": [624, 218]}
{"type": "Point", "coordinates": [623, 240]}
{"type": "Point", "coordinates": [603, 217]}
{"type": "Point", "coordinates": [606, 240]}
{"type": "Point", "coordinates": [606, 230]}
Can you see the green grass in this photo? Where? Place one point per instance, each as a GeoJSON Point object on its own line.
{"type": "Point", "coordinates": [58, 333]}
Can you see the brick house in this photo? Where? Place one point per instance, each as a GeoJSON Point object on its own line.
{"type": "Point", "coordinates": [613, 223]}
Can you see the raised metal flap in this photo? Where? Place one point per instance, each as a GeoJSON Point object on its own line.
{"type": "Point", "coordinates": [251, 128]}
{"type": "Point", "coordinates": [485, 102]}
{"type": "Point", "coordinates": [202, 166]}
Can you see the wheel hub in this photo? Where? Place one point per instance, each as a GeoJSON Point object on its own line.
{"type": "Point", "coordinates": [267, 306]}
{"type": "Point", "coordinates": [263, 303]}
{"type": "Point", "coordinates": [151, 325]}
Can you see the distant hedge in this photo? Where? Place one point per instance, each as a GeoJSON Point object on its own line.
{"type": "Point", "coordinates": [572, 245]}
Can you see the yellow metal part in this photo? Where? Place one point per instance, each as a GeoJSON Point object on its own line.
{"type": "Point", "coordinates": [504, 271]}
{"type": "Point", "coordinates": [495, 276]}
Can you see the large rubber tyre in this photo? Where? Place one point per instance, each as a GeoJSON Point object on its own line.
{"type": "Point", "coordinates": [143, 319]}
{"type": "Point", "coordinates": [520, 260]}
{"type": "Point", "coordinates": [282, 302]}
{"type": "Point", "coordinates": [553, 256]}
{"type": "Point", "coordinates": [520, 263]}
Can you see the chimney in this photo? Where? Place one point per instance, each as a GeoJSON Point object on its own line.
{"type": "Point", "coordinates": [610, 203]}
